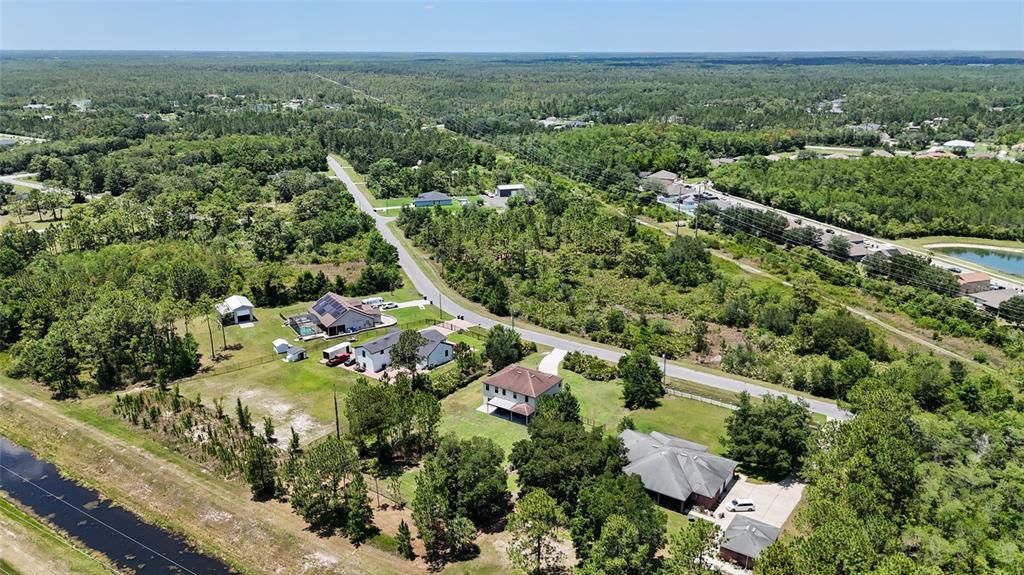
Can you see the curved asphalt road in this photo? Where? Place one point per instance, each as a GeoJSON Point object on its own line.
{"type": "Point", "coordinates": [425, 286]}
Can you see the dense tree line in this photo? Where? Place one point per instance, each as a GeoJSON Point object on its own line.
{"type": "Point", "coordinates": [892, 197]}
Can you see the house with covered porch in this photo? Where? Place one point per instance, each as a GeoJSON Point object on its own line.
{"type": "Point", "coordinates": [513, 393]}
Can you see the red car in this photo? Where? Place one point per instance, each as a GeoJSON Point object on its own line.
{"type": "Point", "coordinates": [337, 360]}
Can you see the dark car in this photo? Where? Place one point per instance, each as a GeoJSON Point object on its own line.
{"type": "Point", "coordinates": [351, 360]}
{"type": "Point", "coordinates": [360, 368]}
{"type": "Point", "coordinates": [338, 359]}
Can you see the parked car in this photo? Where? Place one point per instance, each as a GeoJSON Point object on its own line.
{"type": "Point", "coordinates": [389, 305]}
{"type": "Point", "coordinates": [740, 505]}
{"type": "Point", "coordinates": [351, 360]}
{"type": "Point", "coordinates": [338, 359]}
{"type": "Point", "coordinates": [360, 368]}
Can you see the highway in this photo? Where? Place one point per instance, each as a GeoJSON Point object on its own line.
{"type": "Point", "coordinates": [425, 286]}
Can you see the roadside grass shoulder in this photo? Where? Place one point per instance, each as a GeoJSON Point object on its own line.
{"type": "Point", "coordinates": [33, 547]}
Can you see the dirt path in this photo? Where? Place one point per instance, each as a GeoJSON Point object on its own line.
{"type": "Point", "coordinates": [219, 516]}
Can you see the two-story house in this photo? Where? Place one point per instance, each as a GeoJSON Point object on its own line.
{"type": "Point", "coordinates": [514, 391]}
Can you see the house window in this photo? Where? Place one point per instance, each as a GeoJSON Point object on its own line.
{"type": "Point", "coordinates": [514, 395]}
{"type": "Point", "coordinates": [503, 392]}
{"type": "Point", "coordinates": [446, 353]}
{"type": "Point", "coordinates": [487, 387]}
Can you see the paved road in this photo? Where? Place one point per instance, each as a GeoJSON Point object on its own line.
{"type": "Point", "coordinates": [15, 179]}
{"type": "Point", "coordinates": [425, 286]}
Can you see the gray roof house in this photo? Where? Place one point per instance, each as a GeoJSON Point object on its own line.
{"type": "Point", "coordinates": [375, 355]}
{"type": "Point", "coordinates": [676, 472]}
{"type": "Point", "coordinates": [663, 177]}
{"type": "Point", "coordinates": [428, 199]}
{"type": "Point", "coordinates": [745, 538]}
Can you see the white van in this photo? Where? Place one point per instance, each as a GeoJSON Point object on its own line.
{"type": "Point", "coordinates": [740, 505]}
{"type": "Point", "coordinates": [373, 301]}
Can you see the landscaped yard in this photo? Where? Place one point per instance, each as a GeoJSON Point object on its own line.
{"type": "Point", "coordinates": [600, 404]}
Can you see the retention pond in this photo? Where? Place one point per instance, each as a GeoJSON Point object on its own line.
{"type": "Point", "coordinates": [130, 543]}
{"type": "Point", "coordinates": [1006, 261]}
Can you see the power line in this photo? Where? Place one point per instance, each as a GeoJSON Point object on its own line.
{"type": "Point", "coordinates": [90, 516]}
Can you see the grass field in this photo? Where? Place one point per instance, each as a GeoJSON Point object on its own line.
{"type": "Point", "coordinates": [600, 404]}
{"type": "Point", "coordinates": [921, 243]}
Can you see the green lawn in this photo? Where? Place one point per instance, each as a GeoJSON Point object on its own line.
{"type": "Point", "coordinates": [600, 404]}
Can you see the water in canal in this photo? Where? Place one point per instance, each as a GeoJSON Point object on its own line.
{"type": "Point", "coordinates": [127, 540]}
{"type": "Point", "coordinates": [1004, 261]}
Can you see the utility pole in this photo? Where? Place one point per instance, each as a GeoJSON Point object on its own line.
{"type": "Point", "coordinates": [337, 421]}
{"type": "Point", "coordinates": [664, 370]}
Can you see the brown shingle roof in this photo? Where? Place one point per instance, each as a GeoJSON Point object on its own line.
{"type": "Point", "coordinates": [523, 380]}
{"type": "Point", "coordinates": [972, 277]}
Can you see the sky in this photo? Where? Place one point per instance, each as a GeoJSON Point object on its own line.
{"type": "Point", "coordinates": [513, 25]}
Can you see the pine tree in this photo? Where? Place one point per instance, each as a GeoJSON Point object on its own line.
{"type": "Point", "coordinates": [268, 430]}
{"type": "Point", "coordinates": [359, 516]}
{"type": "Point", "coordinates": [293, 444]}
{"type": "Point", "coordinates": [404, 539]}
{"type": "Point", "coordinates": [242, 413]}
{"type": "Point", "coordinates": [260, 469]}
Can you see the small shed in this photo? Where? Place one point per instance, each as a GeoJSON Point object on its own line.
{"type": "Point", "coordinates": [336, 350]}
{"type": "Point", "coordinates": [281, 345]}
{"type": "Point", "coordinates": [745, 538]}
{"type": "Point", "coordinates": [295, 353]}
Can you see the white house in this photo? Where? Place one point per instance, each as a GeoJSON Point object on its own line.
{"type": "Point", "coordinates": [515, 390]}
{"type": "Point", "coordinates": [295, 353]}
{"type": "Point", "coordinates": [281, 345]}
{"type": "Point", "coordinates": [235, 309]}
{"type": "Point", "coordinates": [375, 355]}
{"type": "Point", "coordinates": [336, 350]}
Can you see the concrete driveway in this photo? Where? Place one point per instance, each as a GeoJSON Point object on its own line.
{"type": "Point", "coordinates": [774, 502]}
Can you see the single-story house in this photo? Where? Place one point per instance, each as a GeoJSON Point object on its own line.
{"type": "Point", "coordinates": [375, 355]}
{"type": "Point", "coordinates": [973, 282]}
{"type": "Point", "coordinates": [281, 345]}
{"type": "Point", "coordinates": [235, 309]}
{"type": "Point", "coordinates": [295, 353]}
{"type": "Point", "coordinates": [663, 177]}
{"type": "Point", "coordinates": [336, 315]}
{"type": "Point", "coordinates": [677, 473]}
{"type": "Point", "coordinates": [515, 391]}
{"type": "Point", "coordinates": [990, 300]}
{"type": "Point", "coordinates": [507, 190]}
{"type": "Point", "coordinates": [715, 162]}
{"type": "Point", "coordinates": [336, 350]}
{"type": "Point", "coordinates": [881, 154]}
{"type": "Point", "coordinates": [8, 143]}
{"type": "Point", "coordinates": [428, 199]}
{"type": "Point", "coordinates": [744, 540]}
